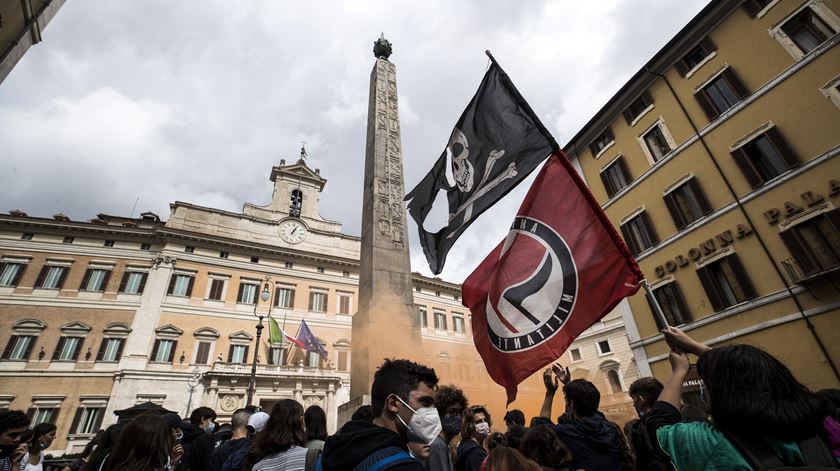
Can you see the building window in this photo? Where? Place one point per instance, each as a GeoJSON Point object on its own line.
{"type": "Point", "coordinates": [615, 176]}
{"type": "Point", "coordinates": [26, 236]}
{"type": "Point", "coordinates": [277, 355]}
{"type": "Point", "coordinates": [345, 274]}
{"type": "Point", "coordinates": [95, 279]}
{"type": "Point", "coordinates": [51, 277]}
{"type": "Point", "coordinates": [656, 143]}
{"type": "Point", "coordinates": [321, 270]}
{"type": "Point", "coordinates": [317, 301]}
{"type": "Point", "coordinates": [68, 239]}
{"type": "Point", "coordinates": [721, 93]}
{"type": "Point", "coordinates": [43, 415]}
{"type": "Point", "coordinates": [255, 259]}
{"type": "Point", "coordinates": [189, 249]}
{"type": "Point", "coordinates": [133, 282]}
{"type": "Point", "coordinates": [238, 354]}
{"type": "Point", "coordinates": [295, 203]}
{"type": "Point", "coordinates": [639, 234]}
{"type": "Point", "coordinates": [764, 157]}
{"type": "Point", "coordinates": [344, 301]}
{"type": "Point", "coordinates": [687, 203]}
{"type": "Point", "coordinates": [814, 245]}
{"type": "Point", "coordinates": [181, 284]}
{"type": "Point", "coordinates": [247, 292]}
{"type": "Point", "coordinates": [202, 353]}
{"type": "Point", "coordinates": [806, 30]}
{"type": "Point", "coordinates": [726, 282]}
{"type": "Point", "coordinates": [601, 142]}
{"type": "Point", "coordinates": [11, 272]}
{"type": "Point", "coordinates": [417, 289]}
{"type": "Point", "coordinates": [110, 349]}
{"type": "Point", "coordinates": [290, 265]}
{"type": "Point", "coordinates": [164, 350]}
{"type": "Point", "coordinates": [68, 349]}
{"type": "Point", "coordinates": [575, 353]}
{"type": "Point", "coordinates": [87, 420]}
{"type": "Point", "coordinates": [615, 381]}
{"type": "Point", "coordinates": [604, 347]}
{"type": "Point", "coordinates": [217, 288]}
{"type": "Point", "coordinates": [19, 347]}
{"type": "Point", "coordinates": [424, 322]}
{"type": "Point", "coordinates": [223, 254]}
{"type": "Point", "coordinates": [108, 243]}
{"type": "Point", "coordinates": [670, 300]}
{"type": "Point", "coordinates": [440, 320]}
{"type": "Point", "coordinates": [458, 323]}
{"type": "Point", "coordinates": [343, 360]}
{"type": "Point", "coordinates": [284, 297]}
{"type": "Point", "coordinates": [145, 246]}
{"type": "Point", "coordinates": [313, 360]}
{"type": "Point", "coordinates": [754, 7]}
{"type": "Point", "coordinates": [638, 107]}
{"type": "Point", "coordinates": [695, 57]}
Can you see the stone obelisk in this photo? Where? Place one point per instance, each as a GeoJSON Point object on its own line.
{"type": "Point", "coordinates": [386, 324]}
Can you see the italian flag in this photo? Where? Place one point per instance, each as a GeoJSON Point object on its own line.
{"type": "Point", "coordinates": [276, 334]}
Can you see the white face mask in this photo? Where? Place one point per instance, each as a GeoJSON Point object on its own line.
{"type": "Point", "coordinates": [482, 429]}
{"type": "Point", "coordinates": [424, 425]}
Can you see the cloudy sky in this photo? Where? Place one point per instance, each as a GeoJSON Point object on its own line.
{"type": "Point", "coordinates": [195, 101]}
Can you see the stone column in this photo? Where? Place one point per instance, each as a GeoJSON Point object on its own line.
{"type": "Point", "coordinates": [332, 409]}
{"type": "Point", "coordinates": [386, 324]}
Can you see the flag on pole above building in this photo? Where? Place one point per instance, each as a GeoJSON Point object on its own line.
{"type": "Point", "coordinates": [497, 142]}
{"type": "Point", "coordinates": [276, 335]}
{"type": "Point", "coordinates": [308, 341]}
{"type": "Point", "coordinates": [561, 268]}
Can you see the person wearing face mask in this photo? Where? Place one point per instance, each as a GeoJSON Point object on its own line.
{"type": "Point", "coordinates": [198, 440]}
{"type": "Point", "coordinates": [644, 392]}
{"type": "Point", "coordinates": [402, 401]}
{"type": "Point", "coordinates": [42, 437]}
{"type": "Point", "coordinates": [474, 430]}
{"type": "Point", "coordinates": [450, 403]}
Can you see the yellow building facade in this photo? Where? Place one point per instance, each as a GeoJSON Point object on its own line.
{"type": "Point", "coordinates": [718, 161]}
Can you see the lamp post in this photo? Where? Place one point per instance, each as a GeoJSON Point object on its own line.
{"type": "Point", "coordinates": [192, 383]}
{"type": "Point", "coordinates": [264, 296]}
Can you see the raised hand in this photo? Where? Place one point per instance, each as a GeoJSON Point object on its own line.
{"type": "Point", "coordinates": [561, 373]}
{"type": "Point", "coordinates": [679, 340]}
{"type": "Point", "coordinates": [550, 381]}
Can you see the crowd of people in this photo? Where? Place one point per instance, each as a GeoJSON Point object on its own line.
{"type": "Point", "coordinates": [758, 416]}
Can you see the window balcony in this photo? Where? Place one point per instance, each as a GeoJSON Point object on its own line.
{"type": "Point", "coordinates": [821, 261]}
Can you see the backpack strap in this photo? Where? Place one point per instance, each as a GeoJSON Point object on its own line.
{"type": "Point", "coordinates": [816, 452]}
{"type": "Point", "coordinates": [312, 459]}
{"type": "Point", "coordinates": [401, 457]}
{"type": "Point", "coordinates": [384, 458]}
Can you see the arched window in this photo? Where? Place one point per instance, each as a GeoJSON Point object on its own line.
{"type": "Point", "coordinates": [296, 203]}
{"type": "Point", "coordinates": [615, 381]}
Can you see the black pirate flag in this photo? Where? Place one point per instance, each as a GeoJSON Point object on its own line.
{"type": "Point", "coordinates": [496, 143]}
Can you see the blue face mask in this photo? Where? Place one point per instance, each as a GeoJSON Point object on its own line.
{"type": "Point", "coordinates": [452, 424]}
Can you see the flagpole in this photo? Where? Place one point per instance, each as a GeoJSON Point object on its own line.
{"type": "Point", "coordinates": [657, 309]}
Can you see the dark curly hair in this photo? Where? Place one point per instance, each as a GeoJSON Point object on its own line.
{"type": "Point", "coordinates": [448, 396]}
{"type": "Point", "coordinates": [12, 419]}
{"type": "Point", "coordinates": [398, 377]}
{"type": "Point", "coordinates": [283, 430]}
{"type": "Point", "coordinates": [468, 427]}
{"type": "Point", "coordinates": [542, 445]}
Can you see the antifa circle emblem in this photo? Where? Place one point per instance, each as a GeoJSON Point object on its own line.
{"type": "Point", "coordinates": [532, 301]}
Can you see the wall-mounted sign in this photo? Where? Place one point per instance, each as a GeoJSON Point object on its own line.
{"type": "Point", "coordinates": [709, 246]}
{"type": "Point", "coordinates": [809, 198]}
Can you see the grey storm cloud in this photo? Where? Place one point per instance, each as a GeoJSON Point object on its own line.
{"type": "Point", "coordinates": [158, 101]}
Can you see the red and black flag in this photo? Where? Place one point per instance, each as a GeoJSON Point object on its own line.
{"type": "Point", "coordinates": [561, 268]}
{"type": "Point", "coordinates": [496, 143]}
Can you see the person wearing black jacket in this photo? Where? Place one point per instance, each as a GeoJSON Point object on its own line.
{"type": "Point", "coordinates": [401, 396]}
{"type": "Point", "coordinates": [644, 392]}
{"type": "Point", "coordinates": [198, 441]}
{"type": "Point", "coordinates": [230, 455]}
{"type": "Point", "coordinates": [593, 441]}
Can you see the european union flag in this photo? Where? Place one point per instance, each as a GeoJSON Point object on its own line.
{"type": "Point", "coordinates": [309, 340]}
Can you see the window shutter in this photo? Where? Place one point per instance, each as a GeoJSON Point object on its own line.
{"type": "Point", "coordinates": [700, 196]}
{"type": "Point", "coordinates": [120, 349]}
{"type": "Point", "coordinates": [676, 215]}
{"type": "Point", "coordinates": [155, 350]}
{"type": "Point", "coordinates": [85, 279]}
{"type": "Point", "coordinates": [172, 351]}
{"type": "Point", "coordinates": [708, 107]}
{"type": "Point", "coordinates": [54, 415]}
{"type": "Point", "coordinates": [123, 282]}
{"type": "Point", "coordinates": [682, 67]}
{"type": "Point", "coordinates": [7, 352]}
{"type": "Point", "coordinates": [592, 149]}
{"type": "Point", "coordinates": [190, 286]}
{"type": "Point", "coordinates": [74, 427]}
{"type": "Point", "coordinates": [142, 283]}
{"type": "Point", "coordinates": [30, 413]}
{"type": "Point", "coordinates": [311, 300]}
{"type": "Point", "coordinates": [59, 348]}
{"type": "Point", "coordinates": [752, 7]}
{"type": "Point", "coordinates": [646, 98]}
{"type": "Point", "coordinates": [78, 348]}
{"type": "Point", "coordinates": [42, 276]}
{"type": "Point", "coordinates": [628, 115]}
{"type": "Point", "coordinates": [203, 353]}
{"type": "Point", "coordinates": [737, 85]}
{"type": "Point", "coordinates": [99, 416]}
{"type": "Point", "coordinates": [19, 274]}
{"type": "Point", "coordinates": [707, 45]}
{"type": "Point", "coordinates": [833, 217]}
{"type": "Point", "coordinates": [746, 167]}
{"type": "Point", "coordinates": [241, 290]}
{"type": "Point", "coordinates": [101, 354]}
{"type": "Point", "coordinates": [685, 316]}
{"type": "Point", "coordinates": [710, 286]}
{"type": "Point", "coordinates": [291, 299]}
{"type": "Point", "coordinates": [659, 325]}
{"type": "Point", "coordinates": [29, 348]}
{"type": "Point", "coordinates": [631, 243]}
{"type": "Point", "coordinates": [245, 355]}
{"type": "Point", "coordinates": [798, 251]}
{"type": "Point", "coordinates": [607, 184]}
{"type": "Point", "coordinates": [608, 132]}
{"type": "Point", "coordinates": [230, 354]}
{"type": "Point", "coordinates": [649, 228]}
{"type": "Point", "coordinates": [781, 145]}
{"type": "Point", "coordinates": [741, 276]}
{"type": "Point", "coordinates": [172, 279]}
{"type": "Point", "coordinates": [624, 170]}
{"type": "Point", "coordinates": [62, 277]}
{"type": "Point", "coordinates": [105, 280]}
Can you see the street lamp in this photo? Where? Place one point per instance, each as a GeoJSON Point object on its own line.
{"type": "Point", "coordinates": [192, 383]}
{"type": "Point", "coordinates": [264, 296]}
